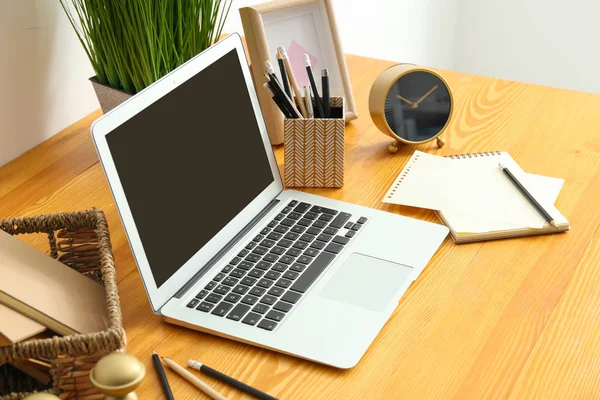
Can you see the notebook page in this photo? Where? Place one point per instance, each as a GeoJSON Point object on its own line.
{"type": "Point", "coordinates": [543, 187]}
{"type": "Point", "coordinates": [473, 186]}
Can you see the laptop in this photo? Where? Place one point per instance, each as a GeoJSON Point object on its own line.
{"type": "Point", "coordinates": [222, 248]}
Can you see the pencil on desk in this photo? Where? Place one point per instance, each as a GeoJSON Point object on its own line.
{"type": "Point", "coordinates": [293, 82]}
{"type": "Point", "coordinates": [528, 196]}
{"type": "Point", "coordinates": [161, 374]}
{"type": "Point", "coordinates": [188, 376]}
{"type": "Point", "coordinates": [229, 380]}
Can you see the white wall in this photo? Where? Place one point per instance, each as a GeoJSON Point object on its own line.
{"type": "Point", "coordinates": [43, 72]}
{"type": "Point", "coordinates": [548, 42]}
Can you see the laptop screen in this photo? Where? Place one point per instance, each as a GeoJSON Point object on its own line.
{"type": "Point", "coordinates": [189, 163]}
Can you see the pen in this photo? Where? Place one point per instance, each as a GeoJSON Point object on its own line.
{"type": "Point", "coordinates": [278, 101]}
{"type": "Point", "coordinates": [278, 92]}
{"type": "Point", "coordinates": [308, 100]}
{"type": "Point", "coordinates": [271, 71]}
{"type": "Point", "coordinates": [161, 374]}
{"type": "Point", "coordinates": [284, 78]}
{"type": "Point", "coordinates": [313, 84]}
{"type": "Point", "coordinates": [188, 376]}
{"type": "Point", "coordinates": [229, 380]}
{"type": "Point", "coordinates": [293, 81]}
{"type": "Point", "coordinates": [528, 195]}
{"type": "Point", "coordinates": [325, 88]}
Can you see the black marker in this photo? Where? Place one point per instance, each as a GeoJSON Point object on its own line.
{"type": "Point", "coordinates": [326, 99]}
{"type": "Point", "coordinates": [284, 78]}
{"type": "Point", "coordinates": [319, 111]}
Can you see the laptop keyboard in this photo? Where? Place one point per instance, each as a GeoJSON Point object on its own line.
{"type": "Point", "coordinates": [274, 270]}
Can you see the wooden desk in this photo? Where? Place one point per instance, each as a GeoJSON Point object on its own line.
{"type": "Point", "coordinates": [514, 318]}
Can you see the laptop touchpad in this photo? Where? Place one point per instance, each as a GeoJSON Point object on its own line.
{"type": "Point", "coordinates": [367, 282]}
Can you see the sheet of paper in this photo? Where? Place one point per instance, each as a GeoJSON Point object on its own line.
{"type": "Point", "coordinates": [473, 186]}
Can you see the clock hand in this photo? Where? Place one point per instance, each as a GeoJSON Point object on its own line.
{"type": "Point", "coordinates": [404, 100]}
{"type": "Point", "coordinates": [416, 104]}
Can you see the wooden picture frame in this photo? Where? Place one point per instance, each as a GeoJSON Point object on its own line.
{"type": "Point", "coordinates": [302, 26]}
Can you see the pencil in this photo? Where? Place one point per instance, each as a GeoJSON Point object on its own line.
{"type": "Point", "coordinates": [278, 101]}
{"type": "Point", "coordinates": [284, 79]}
{"type": "Point", "coordinates": [161, 374]}
{"type": "Point", "coordinates": [319, 111]}
{"type": "Point", "coordinates": [188, 376]}
{"type": "Point", "coordinates": [293, 82]}
{"type": "Point", "coordinates": [229, 380]}
{"type": "Point", "coordinates": [528, 196]}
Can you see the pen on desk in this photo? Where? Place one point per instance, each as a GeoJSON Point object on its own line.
{"type": "Point", "coordinates": [313, 85]}
{"type": "Point", "coordinates": [325, 89]}
{"type": "Point", "coordinates": [308, 101]}
{"type": "Point", "coordinates": [229, 380]}
{"type": "Point", "coordinates": [284, 78]}
{"type": "Point", "coordinates": [161, 374]}
{"type": "Point", "coordinates": [287, 102]}
{"type": "Point", "coordinates": [278, 101]}
{"type": "Point", "coordinates": [188, 376]}
{"type": "Point", "coordinates": [293, 81]}
{"type": "Point", "coordinates": [528, 195]}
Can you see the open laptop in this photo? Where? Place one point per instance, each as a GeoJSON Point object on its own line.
{"type": "Point", "coordinates": [221, 246]}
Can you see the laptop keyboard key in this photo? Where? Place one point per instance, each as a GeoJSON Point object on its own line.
{"type": "Point", "coordinates": [271, 257]}
{"type": "Point", "coordinates": [281, 229]}
{"type": "Point", "coordinates": [320, 224]}
{"type": "Point", "coordinates": [238, 312]}
{"type": "Point", "coordinates": [302, 207]}
{"type": "Point", "coordinates": [291, 297]}
{"type": "Point", "coordinates": [266, 283]}
{"type": "Point", "coordinates": [312, 272]}
{"type": "Point", "coordinates": [307, 238]}
{"type": "Point", "coordinates": [258, 238]}
{"type": "Point", "coordinates": [257, 291]}
{"type": "Point", "coordinates": [268, 242]}
{"type": "Point", "coordinates": [285, 243]}
{"type": "Point", "coordinates": [245, 265]}
{"type": "Point", "coordinates": [214, 298]}
{"type": "Point", "coordinates": [252, 258]}
{"type": "Point", "coordinates": [326, 217]}
{"type": "Point", "coordinates": [276, 291]}
{"type": "Point", "coordinates": [221, 289]}
{"type": "Point", "coordinates": [251, 319]}
{"type": "Point", "coordinates": [282, 306]}
{"type": "Point", "coordinates": [202, 294]}
{"type": "Point", "coordinates": [235, 261]}
{"type": "Point", "coordinates": [249, 299]}
{"type": "Point", "coordinates": [293, 252]}
{"type": "Point", "coordinates": [284, 283]}
{"type": "Point", "coordinates": [260, 250]}
{"type": "Point", "coordinates": [317, 245]}
{"type": "Point", "coordinates": [256, 273]}
{"type": "Point", "coordinates": [287, 259]}
{"type": "Point", "coordinates": [268, 299]}
{"type": "Point", "coordinates": [324, 238]}
{"type": "Point", "coordinates": [341, 240]}
{"type": "Point", "coordinates": [279, 267]}
{"type": "Point", "coordinates": [291, 275]}
{"type": "Point", "coordinates": [340, 220]}
{"type": "Point", "coordinates": [311, 252]}
{"type": "Point", "coordinates": [211, 285]}
{"type": "Point", "coordinates": [260, 308]}
{"type": "Point", "coordinates": [362, 220]}
{"type": "Point", "coordinates": [227, 268]}
{"type": "Point", "coordinates": [286, 210]}
{"type": "Point", "coordinates": [263, 265]}
{"type": "Point", "coordinates": [293, 203]}
{"type": "Point", "coordinates": [297, 267]}
{"type": "Point", "coordinates": [330, 231]}
{"type": "Point", "coordinates": [222, 308]}
{"type": "Point", "coordinates": [250, 245]}
{"type": "Point", "coordinates": [272, 224]}
{"type": "Point", "coordinates": [243, 253]}
{"type": "Point", "coordinates": [205, 306]}
{"type": "Point", "coordinates": [356, 227]}
{"type": "Point", "coordinates": [274, 236]}
{"type": "Point", "coordinates": [237, 273]}
{"type": "Point", "coordinates": [304, 222]}
{"type": "Point", "coordinates": [267, 325]}
{"type": "Point", "coordinates": [298, 229]}
{"type": "Point", "coordinates": [265, 230]}
{"type": "Point", "coordinates": [313, 231]}
{"type": "Point", "coordinates": [249, 281]}
{"type": "Point", "coordinates": [328, 211]}
{"type": "Point", "coordinates": [193, 303]}
{"type": "Point", "coordinates": [291, 236]}
{"type": "Point", "coordinates": [311, 215]}
{"type": "Point", "coordinates": [278, 250]}
{"type": "Point", "coordinates": [279, 217]}
{"type": "Point", "coordinates": [304, 260]}
{"type": "Point", "coordinates": [232, 297]}
{"type": "Point", "coordinates": [334, 248]}
{"type": "Point", "coordinates": [287, 222]}
{"type": "Point", "coordinates": [241, 289]}
{"type": "Point", "coordinates": [229, 281]}
{"type": "Point", "coordinates": [272, 275]}
{"type": "Point", "coordinates": [350, 234]}
{"type": "Point", "coordinates": [300, 245]}
{"type": "Point", "coordinates": [275, 315]}
{"type": "Point", "coordinates": [294, 215]}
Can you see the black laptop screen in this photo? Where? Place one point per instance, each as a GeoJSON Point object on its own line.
{"type": "Point", "coordinates": [189, 163]}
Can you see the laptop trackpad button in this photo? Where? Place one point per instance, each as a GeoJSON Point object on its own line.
{"type": "Point", "coordinates": [366, 282]}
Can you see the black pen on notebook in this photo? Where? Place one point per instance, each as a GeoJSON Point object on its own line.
{"type": "Point", "coordinates": [284, 78]}
{"type": "Point", "coordinates": [325, 88]}
{"type": "Point", "coordinates": [313, 85]}
{"type": "Point", "coordinates": [528, 195]}
{"type": "Point", "coordinates": [229, 380]}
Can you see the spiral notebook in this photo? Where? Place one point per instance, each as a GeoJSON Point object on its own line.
{"type": "Point", "coordinates": [471, 195]}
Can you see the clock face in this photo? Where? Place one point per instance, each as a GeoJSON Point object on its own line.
{"type": "Point", "coordinates": [417, 106]}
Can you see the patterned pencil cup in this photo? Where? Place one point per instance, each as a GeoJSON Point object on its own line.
{"type": "Point", "coordinates": [314, 149]}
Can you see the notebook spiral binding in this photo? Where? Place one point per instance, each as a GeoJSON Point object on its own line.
{"type": "Point", "coordinates": [474, 155]}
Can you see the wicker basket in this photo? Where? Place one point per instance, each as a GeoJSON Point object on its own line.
{"type": "Point", "coordinates": [81, 241]}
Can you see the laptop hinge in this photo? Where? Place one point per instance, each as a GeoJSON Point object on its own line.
{"type": "Point", "coordinates": [225, 249]}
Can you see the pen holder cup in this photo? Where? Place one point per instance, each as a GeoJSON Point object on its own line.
{"type": "Point", "coordinates": [314, 149]}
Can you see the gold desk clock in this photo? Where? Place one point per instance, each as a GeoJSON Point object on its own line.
{"type": "Point", "coordinates": [411, 104]}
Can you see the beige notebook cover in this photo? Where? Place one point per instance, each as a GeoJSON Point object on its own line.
{"type": "Point", "coordinates": [15, 327]}
{"type": "Point", "coordinates": [48, 291]}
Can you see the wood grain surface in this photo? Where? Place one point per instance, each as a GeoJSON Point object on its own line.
{"type": "Point", "coordinates": [516, 318]}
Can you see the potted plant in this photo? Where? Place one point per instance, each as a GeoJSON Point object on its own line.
{"type": "Point", "coordinates": [132, 43]}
